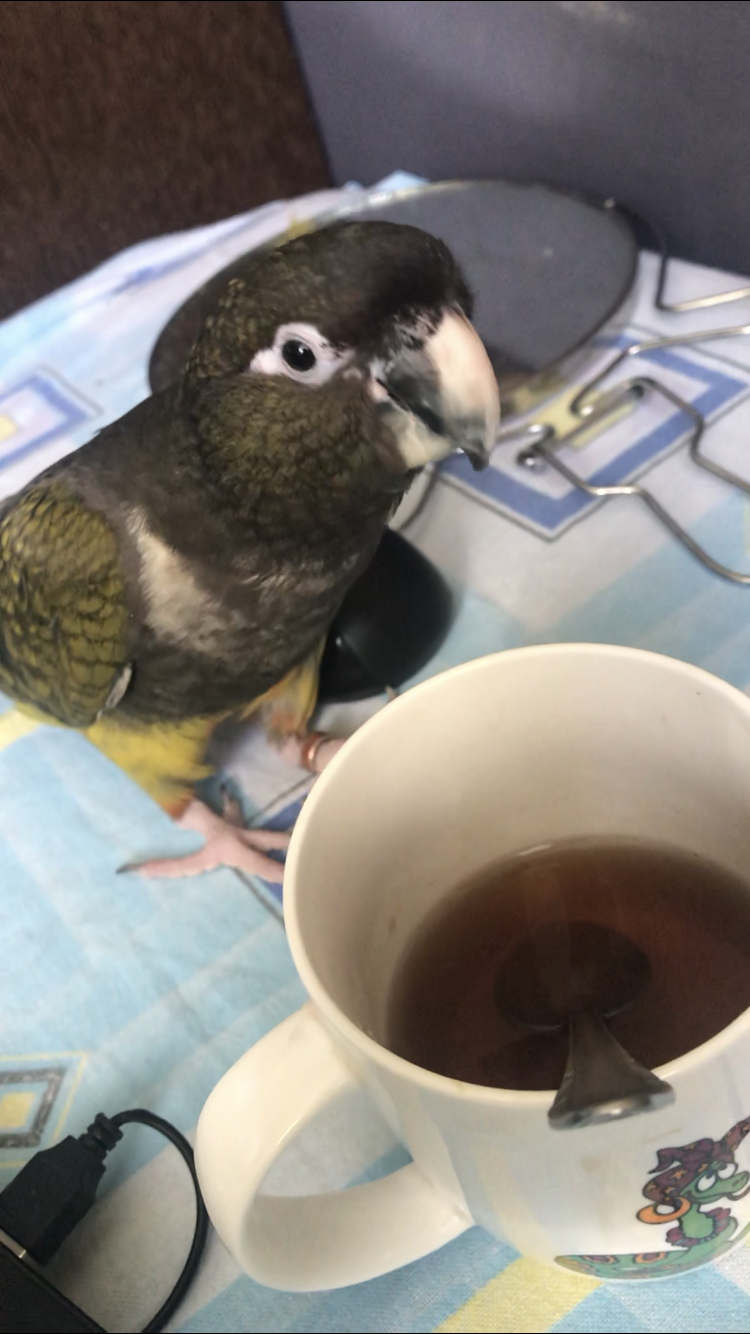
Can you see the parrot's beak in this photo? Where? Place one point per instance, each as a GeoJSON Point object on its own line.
{"type": "Point", "coordinates": [443, 396]}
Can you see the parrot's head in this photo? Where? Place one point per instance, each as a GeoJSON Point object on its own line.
{"type": "Point", "coordinates": [348, 344]}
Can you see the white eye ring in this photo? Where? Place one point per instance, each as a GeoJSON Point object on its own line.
{"type": "Point", "coordinates": [706, 1181]}
{"type": "Point", "coordinates": [279, 359]}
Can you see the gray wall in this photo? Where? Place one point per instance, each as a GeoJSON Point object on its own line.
{"type": "Point", "coordinates": [647, 102]}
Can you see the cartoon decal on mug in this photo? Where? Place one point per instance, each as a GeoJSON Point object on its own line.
{"type": "Point", "coordinates": [690, 1178]}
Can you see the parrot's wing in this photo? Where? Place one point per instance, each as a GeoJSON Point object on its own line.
{"type": "Point", "coordinates": [63, 612]}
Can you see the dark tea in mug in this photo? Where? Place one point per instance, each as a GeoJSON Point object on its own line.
{"type": "Point", "coordinates": [691, 917]}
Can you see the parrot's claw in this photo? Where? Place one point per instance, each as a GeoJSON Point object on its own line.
{"type": "Point", "coordinates": [226, 845]}
{"type": "Point", "coordinates": [228, 842]}
{"type": "Point", "coordinates": [313, 752]}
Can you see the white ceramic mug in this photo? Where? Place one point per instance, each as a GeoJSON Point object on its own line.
{"type": "Point", "coordinates": [526, 747]}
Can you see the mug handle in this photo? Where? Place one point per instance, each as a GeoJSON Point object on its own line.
{"type": "Point", "coordinates": [305, 1243]}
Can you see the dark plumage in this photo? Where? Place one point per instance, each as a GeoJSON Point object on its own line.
{"type": "Point", "coordinates": [272, 495]}
{"type": "Point", "coordinates": [195, 552]}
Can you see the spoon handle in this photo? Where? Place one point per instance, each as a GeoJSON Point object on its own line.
{"type": "Point", "coordinates": [602, 1082]}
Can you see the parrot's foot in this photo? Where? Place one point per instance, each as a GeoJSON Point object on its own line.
{"type": "Point", "coordinates": [227, 844]}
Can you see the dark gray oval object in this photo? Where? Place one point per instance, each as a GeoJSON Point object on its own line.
{"type": "Point", "coordinates": [547, 270]}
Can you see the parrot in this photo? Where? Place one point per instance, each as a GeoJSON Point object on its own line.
{"type": "Point", "coordinates": [184, 566]}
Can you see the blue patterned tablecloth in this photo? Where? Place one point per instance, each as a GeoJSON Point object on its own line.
{"type": "Point", "coordinates": [117, 992]}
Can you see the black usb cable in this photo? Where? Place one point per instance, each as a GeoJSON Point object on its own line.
{"type": "Point", "coordinates": [48, 1198]}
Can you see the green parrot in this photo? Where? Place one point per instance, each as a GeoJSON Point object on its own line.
{"type": "Point", "coordinates": [185, 565]}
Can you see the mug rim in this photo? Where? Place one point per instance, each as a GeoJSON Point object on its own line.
{"type": "Point", "coordinates": [429, 1080]}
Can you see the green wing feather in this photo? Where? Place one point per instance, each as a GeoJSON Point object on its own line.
{"type": "Point", "coordinates": [63, 612]}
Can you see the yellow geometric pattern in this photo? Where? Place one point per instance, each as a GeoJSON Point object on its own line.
{"type": "Point", "coordinates": [15, 1109]}
{"type": "Point", "coordinates": [527, 1298]}
{"type": "Point", "coordinates": [17, 1105]}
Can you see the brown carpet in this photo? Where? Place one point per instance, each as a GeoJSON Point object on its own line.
{"type": "Point", "coordinates": [124, 119]}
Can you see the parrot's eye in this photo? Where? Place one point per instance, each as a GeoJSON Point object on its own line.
{"type": "Point", "coordinates": [300, 352]}
{"type": "Point", "coordinates": [297, 355]}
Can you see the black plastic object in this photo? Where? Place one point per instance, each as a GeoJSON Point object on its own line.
{"type": "Point", "coordinates": [391, 623]}
{"type": "Point", "coordinates": [29, 1304]}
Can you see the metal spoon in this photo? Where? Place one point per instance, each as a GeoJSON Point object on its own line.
{"type": "Point", "coordinates": [577, 974]}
